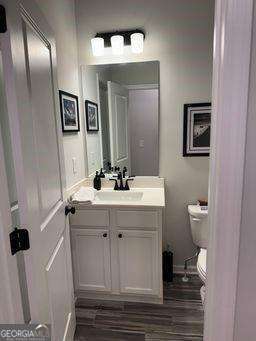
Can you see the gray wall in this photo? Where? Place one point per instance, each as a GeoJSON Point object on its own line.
{"type": "Point", "coordinates": [89, 76]}
{"type": "Point", "coordinates": [143, 120]}
{"type": "Point", "coordinates": [179, 33]}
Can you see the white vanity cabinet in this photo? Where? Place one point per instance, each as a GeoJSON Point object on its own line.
{"type": "Point", "coordinates": [91, 251]}
{"type": "Point", "coordinates": [138, 262]}
{"type": "Point", "coordinates": [117, 253]}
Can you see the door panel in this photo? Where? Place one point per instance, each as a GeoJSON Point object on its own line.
{"type": "Point", "coordinates": [56, 275]}
{"type": "Point", "coordinates": [39, 73]}
{"type": "Point", "coordinates": [118, 123]}
{"type": "Point", "coordinates": [29, 61]}
{"type": "Point", "coordinates": [91, 254]}
{"type": "Point", "coordinates": [138, 254]}
{"type": "Point", "coordinates": [121, 128]}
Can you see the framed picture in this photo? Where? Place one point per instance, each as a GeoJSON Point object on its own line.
{"type": "Point", "coordinates": [197, 129]}
{"type": "Point", "coordinates": [69, 112]}
{"type": "Point", "coordinates": [92, 121]}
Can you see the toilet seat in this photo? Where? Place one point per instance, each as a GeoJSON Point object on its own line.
{"type": "Point", "coordinates": [201, 264]}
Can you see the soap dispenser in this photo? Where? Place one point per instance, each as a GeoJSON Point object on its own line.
{"type": "Point", "coordinates": [97, 181]}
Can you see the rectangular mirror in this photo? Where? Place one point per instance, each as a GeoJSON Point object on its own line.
{"type": "Point", "coordinates": [122, 117]}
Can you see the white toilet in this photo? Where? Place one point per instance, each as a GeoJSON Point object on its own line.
{"type": "Point", "coordinates": [199, 229]}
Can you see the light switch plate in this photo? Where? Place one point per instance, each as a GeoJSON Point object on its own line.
{"type": "Point", "coordinates": [74, 165]}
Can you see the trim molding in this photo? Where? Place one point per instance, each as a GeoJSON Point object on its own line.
{"type": "Point", "coordinates": [142, 86]}
{"type": "Point", "coordinates": [232, 49]}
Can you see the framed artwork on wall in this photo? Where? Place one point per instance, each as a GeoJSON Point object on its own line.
{"type": "Point", "coordinates": [197, 129]}
{"type": "Point", "coordinates": [69, 112]}
{"type": "Point", "coordinates": [91, 111]}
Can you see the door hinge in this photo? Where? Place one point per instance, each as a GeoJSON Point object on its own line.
{"type": "Point", "coordinates": [19, 240]}
{"type": "Point", "coordinates": [3, 24]}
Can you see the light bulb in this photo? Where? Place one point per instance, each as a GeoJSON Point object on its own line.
{"type": "Point", "coordinates": [137, 42]}
{"type": "Point", "coordinates": [97, 46]}
{"type": "Point", "coordinates": [117, 44]}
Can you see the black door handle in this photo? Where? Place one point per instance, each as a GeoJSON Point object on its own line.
{"type": "Point", "coordinates": [105, 235]}
{"type": "Point", "coordinates": [120, 235]}
{"type": "Point", "coordinates": [70, 209]}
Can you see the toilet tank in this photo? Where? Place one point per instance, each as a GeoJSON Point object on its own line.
{"type": "Point", "coordinates": [199, 225]}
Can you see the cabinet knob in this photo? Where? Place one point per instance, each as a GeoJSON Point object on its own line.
{"type": "Point", "coordinates": [105, 235]}
{"type": "Point", "coordinates": [120, 235]}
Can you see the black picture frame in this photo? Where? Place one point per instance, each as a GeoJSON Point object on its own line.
{"type": "Point", "coordinates": [92, 122]}
{"type": "Point", "coordinates": [70, 121]}
{"type": "Point", "coordinates": [202, 135]}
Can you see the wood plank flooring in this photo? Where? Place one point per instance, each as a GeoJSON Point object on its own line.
{"type": "Point", "coordinates": [179, 318]}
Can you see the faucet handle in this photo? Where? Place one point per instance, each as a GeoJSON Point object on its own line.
{"type": "Point", "coordinates": [116, 188]}
{"type": "Point", "coordinates": [126, 187]}
{"type": "Point", "coordinates": [124, 171]}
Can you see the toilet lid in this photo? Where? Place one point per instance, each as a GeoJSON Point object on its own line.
{"type": "Point", "coordinates": [201, 262]}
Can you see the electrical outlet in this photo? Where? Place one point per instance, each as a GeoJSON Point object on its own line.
{"type": "Point", "coordinates": [74, 165]}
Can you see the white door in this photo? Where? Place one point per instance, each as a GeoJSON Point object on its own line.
{"type": "Point", "coordinates": [91, 259]}
{"type": "Point", "coordinates": [138, 262]}
{"type": "Point", "coordinates": [10, 295]}
{"type": "Point", "coordinates": [29, 64]}
{"type": "Point", "coordinates": [118, 122]}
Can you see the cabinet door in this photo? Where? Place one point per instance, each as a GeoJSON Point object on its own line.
{"type": "Point", "coordinates": [91, 258]}
{"type": "Point", "coordinates": [138, 262]}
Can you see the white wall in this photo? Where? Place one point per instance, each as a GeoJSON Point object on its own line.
{"type": "Point", "coordinates": [60, 14]}
{"type": "Point", "coordinates": [135, 73]}
{"type": "Point", "coordinates": [179, 34]}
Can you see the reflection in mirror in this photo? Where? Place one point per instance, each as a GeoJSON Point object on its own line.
{"type": "Point", "coordinates": [128, 110]}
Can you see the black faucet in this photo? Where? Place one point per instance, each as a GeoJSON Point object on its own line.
{"type": "Point", "coordinates": [121, 186]}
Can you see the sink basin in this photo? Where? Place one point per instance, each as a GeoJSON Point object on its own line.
{"type": "Point", "coordinates": [118, 196]}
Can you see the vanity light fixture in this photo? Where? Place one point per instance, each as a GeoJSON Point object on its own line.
{"type": "Point", "coordinates": [97, 46]}
{"type": "Point", "coordinates": [137, 42]}
{"type": "Point", "coordinates": [117, 40]}
{"type": "Point", "coordinates": [117, 44]}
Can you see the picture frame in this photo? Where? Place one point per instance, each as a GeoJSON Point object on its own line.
{"type": "Point", "coordinates": [196, 129]}
{"type": "Point", "coordinates": [69, 111]}
{"type": "Point", "coordinates": [92, 117]}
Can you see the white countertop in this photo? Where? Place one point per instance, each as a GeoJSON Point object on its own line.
{"type": "Point", "coordinates": [151, 188]}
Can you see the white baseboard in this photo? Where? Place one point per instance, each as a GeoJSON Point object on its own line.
{"type": "Point", "coordinates": [179, 269]}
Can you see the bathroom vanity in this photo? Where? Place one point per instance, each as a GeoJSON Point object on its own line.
{"type": "Point", "coordinates": [117, 243]}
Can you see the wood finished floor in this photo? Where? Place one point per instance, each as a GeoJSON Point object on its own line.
{"type": "Point", "coordinates": [179, 318]}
